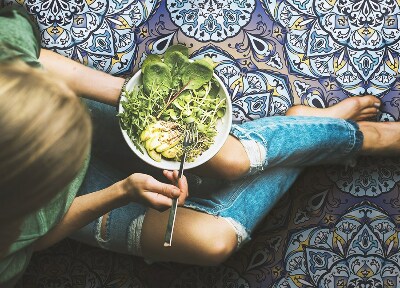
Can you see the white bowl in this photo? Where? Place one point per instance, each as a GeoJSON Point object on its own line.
{"type": "Point", "coordinates": [223, 128]}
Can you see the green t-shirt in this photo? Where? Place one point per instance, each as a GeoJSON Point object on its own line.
{"type": "Point", "coordinates": [19, 39]}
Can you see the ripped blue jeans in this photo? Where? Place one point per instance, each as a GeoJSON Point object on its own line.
{"type": "Point", "coordinates": [278, 148]}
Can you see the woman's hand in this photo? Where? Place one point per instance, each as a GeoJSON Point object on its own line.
{"type": "Point", "coordinates": [145, 189]}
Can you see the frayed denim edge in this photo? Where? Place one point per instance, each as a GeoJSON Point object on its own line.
{"type": "Point", "coordinates": [134, 235]}
{"type": "Point", "coordinates": [242, 235]}
{"type": "Point", "coordinates": [250, 145]}
{"type": "Point", "coordinates": [100, 240]}
{"type": "Point", "coordinates": [355, 144]}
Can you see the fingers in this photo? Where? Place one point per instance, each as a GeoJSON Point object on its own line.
{"type": "Point", "coordinates": [183, 186]}
{"type": "Point", "coordinates": [167, 190]}
{"type": "Point", "coordinates": [169, 175]}
{"type": "Point", "coordinates": [180, 182]}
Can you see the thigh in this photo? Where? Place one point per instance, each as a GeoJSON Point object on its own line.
{"type": "Point", "coordinates": [302, 141]}
{"type": "Point", "coordinates": [217, 218]}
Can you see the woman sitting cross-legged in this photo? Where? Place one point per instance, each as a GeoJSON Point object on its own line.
{"type": "Point", "coordinates": [57, 180]}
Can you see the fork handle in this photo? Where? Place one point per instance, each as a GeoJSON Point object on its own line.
{"type": "Point", "coordinates": [172, 212]}
{"type": "Point", "coordinates": [171, 223]}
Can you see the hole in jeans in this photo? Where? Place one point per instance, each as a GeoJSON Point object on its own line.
{"type": "Point", "coordinates": [103, 227]}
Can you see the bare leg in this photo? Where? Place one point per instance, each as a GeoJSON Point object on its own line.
{"type": "Point", "coordinates": [231, 162]}
{"type": "Point", "coordinates": [354, 108]}
{"type": "Point", "coordinates": [203, 239]}
{"type": "Point", "coordinates": [198, 238]}
{"type": "Point", "coordinates": [380, 138]}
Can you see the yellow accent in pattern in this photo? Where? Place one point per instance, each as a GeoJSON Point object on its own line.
{"type": "Point", "coordinates": [124, 22]}
{"type": "Point", "coordinates": [55, 30]}
{"type": "Point", "coordinates": [273, 88]}
{"type": "Point", "coordinates": [365, 272]}
{"type": "Point", "coordinates": [297, 279]}
{"type": "Point", "coordinates": [393, 65]}
{"type": "Point", "coordinates": [297, 24]}
{"type": "Point", "coordinates": [338, 239]}
{"type": "Point", "coordinates": [303, 244]}
{"type": "Point", "coordinates": [392, 241]}
{"type": "Point", "coordinates": [331, 2]}
{"type": "Point", "coordinates": [237, 83]}
{"type": "Point", "coordinates": [120, 23]}
{"type": "Point", "coordinates": [336, 65]}
{"type": "Point", "coordinates": [304, 59]}
{"type": "Point", "coordinates": [116, 58]}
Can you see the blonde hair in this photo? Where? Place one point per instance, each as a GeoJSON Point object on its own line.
{"type": "Point", "coordinates": [45, 134]}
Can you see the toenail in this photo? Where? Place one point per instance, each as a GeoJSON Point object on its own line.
{"type": "Point", "coordinates": [377, 104]}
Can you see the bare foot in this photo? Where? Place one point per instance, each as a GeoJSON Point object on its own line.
{"type": "Point", "coordinates": [354, 108]}
{"type": "Point", "coordinates": [380, 138]}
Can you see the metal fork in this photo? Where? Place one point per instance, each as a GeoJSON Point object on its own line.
{"type": "Point", "coordinates": [190, 138]}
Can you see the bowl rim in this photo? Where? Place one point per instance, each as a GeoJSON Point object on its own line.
{"type": "Point", "coordinates": [171, 164]}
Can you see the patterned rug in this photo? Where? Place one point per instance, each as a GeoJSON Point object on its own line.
{"type": "Point", "coordinates": [336, 227]}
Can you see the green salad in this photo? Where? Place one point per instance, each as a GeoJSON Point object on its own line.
{"type": "Point", "coordinates": [173, 93]}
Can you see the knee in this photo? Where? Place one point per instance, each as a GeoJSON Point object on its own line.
{"type": "Point", "coordinates": [236, 166]}
{"type": "Point", "coordinates": [218, 250]}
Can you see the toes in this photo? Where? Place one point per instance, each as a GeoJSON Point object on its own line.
{"type": "Point", "coordinates": [366, 117]}
{"type": "Point", "coordinates": [369, 101]}
{"type": "Point", "coordinates": [370, 110]}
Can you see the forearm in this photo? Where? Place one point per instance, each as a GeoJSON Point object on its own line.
{"type": "Point", "coordinates": [84, 210]}
{"type": "Point", "coordinates": [84, 81]}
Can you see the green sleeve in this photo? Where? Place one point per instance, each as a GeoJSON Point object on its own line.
{"type": "Point", "coordinates": [35, 226]}
{"type": "Point", "coordinates": [19, 37]}
{"type": "Point", "coordinates": [13, 266]}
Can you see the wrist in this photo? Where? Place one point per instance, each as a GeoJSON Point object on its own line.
{"type": "Point", "coordinates": [122, 189]}
{"type": "Point", "coordinates": [122, 90]}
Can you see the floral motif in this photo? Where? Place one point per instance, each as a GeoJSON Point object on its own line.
{"type": "Point", "coordinates": [211, 20]}
{"type": "Point", "coordinates": [368, 178]}
{"type": "Point", "coordinates": [318, 50]}
{"type": "Point", "coordinates": [255, 93]}
{"type": "Point", "coordinates": [360, 251]}
{"type": "Point", "coordinates": [98, 33]}
{"type": "Point", "coordinates": [355, 41]}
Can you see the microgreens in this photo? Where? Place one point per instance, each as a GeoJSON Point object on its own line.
{"type": "Point", "coordinates": [173, 90]}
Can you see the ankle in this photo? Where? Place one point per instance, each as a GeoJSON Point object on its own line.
{"type": "Point", "coordinates": [295, 110]}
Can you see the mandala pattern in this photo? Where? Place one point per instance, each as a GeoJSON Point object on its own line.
{"type": "Point", "coordinates": [97, 33]}
{"type": "Point", "coordinates": [356, 42]}
{"type": "Point", "coordinates": [336, 227]}
{"type": "Point", "coordinates": [211, 20]}
{"type": "Point", "coordinates": [255, 93]}
{"type": "Point", "coordinates": [362, 250]}
{"type": "Point", "coordinates": [368, 178]}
